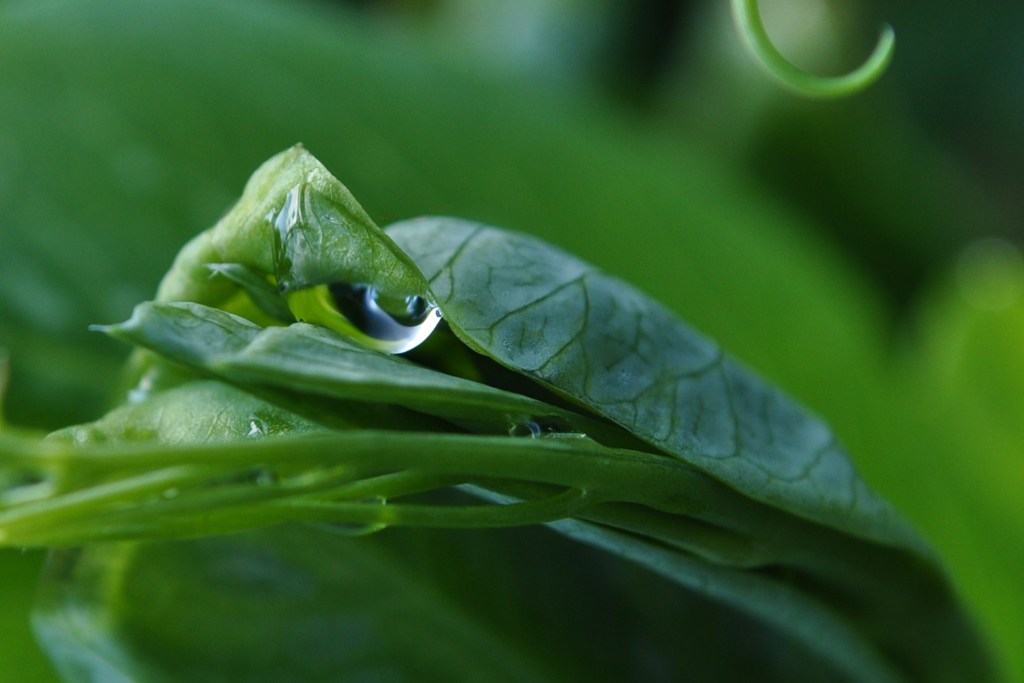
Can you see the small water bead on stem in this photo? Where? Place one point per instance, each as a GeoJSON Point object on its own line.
{"type": "Point", "coordinates": [355, 529]}
{"type": "Point", "coordinates": [267, 477]}
{"type": "Point", "coordinates": [538, 427]}
{"type": "Point", "coordinates": [21, 487]}
{"type": "Point", "coordinates": [259, 476]}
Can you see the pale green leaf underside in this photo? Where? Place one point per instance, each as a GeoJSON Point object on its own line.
{"type": "Point", "coordinates": [296, 222]}
{"type": "Point", "coordinates": [311, 359]}
{"type": "Point", "coordinates": [199, 412]}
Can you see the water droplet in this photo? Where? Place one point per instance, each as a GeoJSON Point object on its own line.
{"type": "Point", "coordinates": [17, 487]}
{"type": "Point", "coordinates": [390, 324]}
{"type": "Point", "coordinates": [266, 478]}
{"type": "Point", "coordinates": [257, 428]}
{"type": "Point", "coordinates": [318, 292]}
{"type": "Point", "coordinates": [357, 529]}
{"type": "Point", "coordinates": [528, 428]}
{"type": "Point", "coordinates": [170, 493]}
{"type": "Point", "coordinates": [399, 325]}
{"type": "Point", "coordinates": [141, 391]}
{"type": "Point", "coordinates": [550, 426]}
{"type": "Point", "coordinates": [290, 214]}
{"type": "Point", "coordinates": [260, 476]}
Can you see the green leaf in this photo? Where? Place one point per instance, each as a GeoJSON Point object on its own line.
{"type": "Point", "coordinates": [293, 603]}
{"type": "Point", "coordinates": [601, 343]}
{"type": "Point", "coordinates": [294, 221]}
{"type": "Point", "coordinates": [312, 360]}
{"type": "Point", "coordinates": [198, 412]}
{"type": "Point", "coordinates": [797, 602]}
{"type": "Point", "coordinates": [296, 602]}
{"type": "Point", "coordinates": [971, 369]}
{"type": "Point", "coordinates": [22, 655]}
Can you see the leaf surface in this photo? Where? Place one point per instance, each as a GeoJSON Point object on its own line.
{"type": "Point", "coordinates": [293, 603]}
{"type": "Point", "coordinates": [600, 342]}
{"type": "Point", "coordinates": [311, 359]}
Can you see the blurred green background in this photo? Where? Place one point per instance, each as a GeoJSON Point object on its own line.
{"type": "Point", "coordinates": [860, 253]}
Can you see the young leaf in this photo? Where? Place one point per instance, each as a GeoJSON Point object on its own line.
{"type": "Point", "coordinates": [298, 227]}
{"type": "Point", "coordinates": [198, 412]}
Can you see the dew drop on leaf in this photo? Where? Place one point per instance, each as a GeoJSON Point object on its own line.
{"type": "Point", "coordinates": [393, 325]}
{"type": "Point", "coordinates": [322, 295]}
{"type": "Point", "coordinates": [356, 529]}
{"type": "Point", "coordinates": [257, 428]}
{"type": "Point", "coordinates": [289, 215]}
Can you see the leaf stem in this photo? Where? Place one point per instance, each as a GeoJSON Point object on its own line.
{"type": "Point", "coordinates": [804, 616]}
{"type": "Point", "coordinates": [747, 16]}
{"type": "Point", "coordinates": [559, 506]}
{"type": "Point", "coordinates": [121, 486]}
{"type": "Point", "coordinates": [121, 492]}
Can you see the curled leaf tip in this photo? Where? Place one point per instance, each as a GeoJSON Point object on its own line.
{"type": "Point", "coordinates": [747, 15]}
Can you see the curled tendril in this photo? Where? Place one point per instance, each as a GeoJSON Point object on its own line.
{"type": "Point", "coordinates": [748, 20]}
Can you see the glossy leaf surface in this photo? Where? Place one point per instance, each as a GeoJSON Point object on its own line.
{"type": "Point", "coordinates": [601, 343]}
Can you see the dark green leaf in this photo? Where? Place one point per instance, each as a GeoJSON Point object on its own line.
{"type": "Point", "coordinates": [290, 604]}
{"type": "Point", "coordinates": [600, 342]}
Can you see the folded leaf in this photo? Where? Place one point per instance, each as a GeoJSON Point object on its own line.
{"type": "Point", "coordinates": [310, 359]}
{"type": "Point", "coordinates": [604, 345]}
